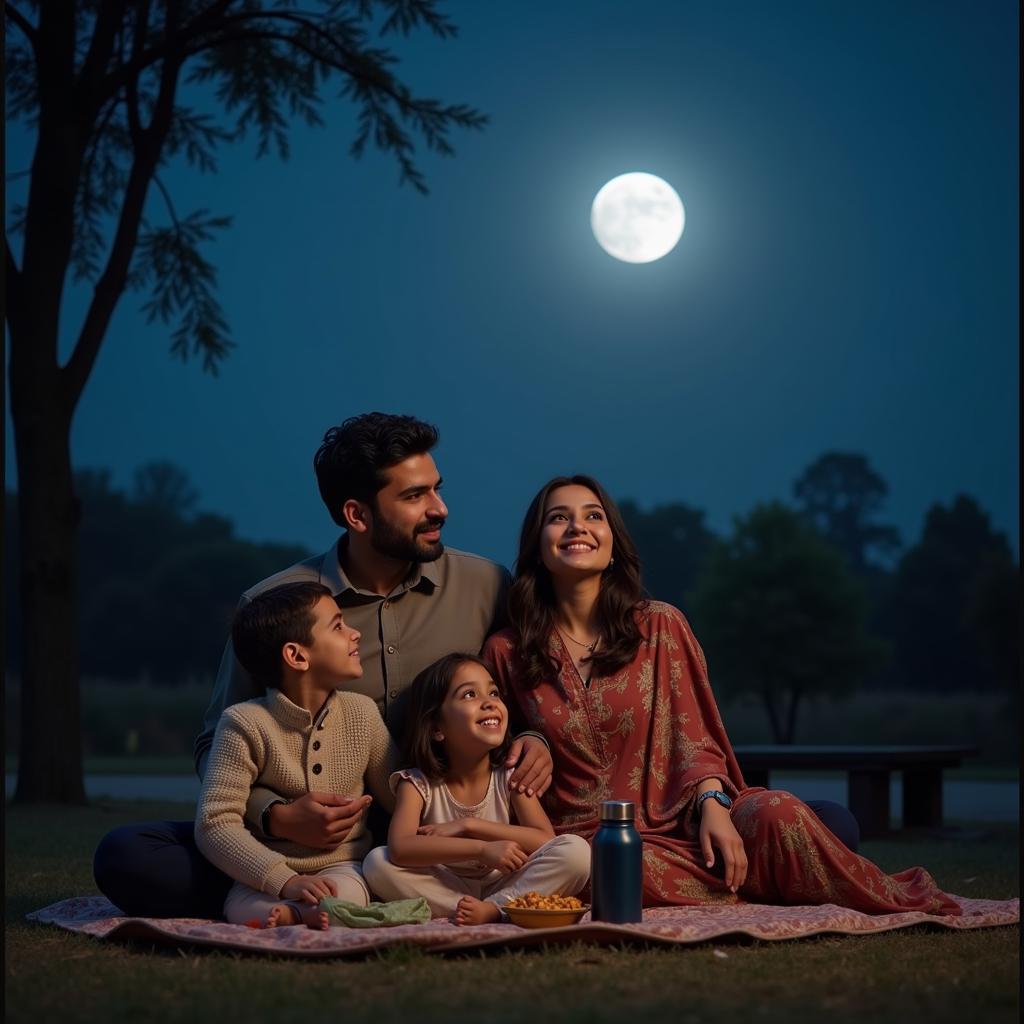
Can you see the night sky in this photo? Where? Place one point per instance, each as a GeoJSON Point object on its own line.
{"type": "Point", "coordinates": [847, 279]}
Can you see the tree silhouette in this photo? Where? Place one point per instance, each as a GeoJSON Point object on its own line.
{"type": "Point", "coordinates": [98, 82]}
{"type": "Point", "coordinates": [782, 616]}
{"type": "Point", "coordinates": [159, 581]}
{"type": "Point", "coordinates": [953, 607]}
{"type": "Point", "coordinates": [673, 543]}
{"type": "Point", "coordinates": [839, 495]}
{"type": "Point", "coordinates": [166, 486]}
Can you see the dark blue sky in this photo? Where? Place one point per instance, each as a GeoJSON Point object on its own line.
{"type": "Point", "coordinates": [847, 279]}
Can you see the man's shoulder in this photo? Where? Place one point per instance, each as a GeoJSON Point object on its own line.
{"type": "Point", "coordinates": [309, 570]}
{"type": "Point", "coordinates": [467, 564]}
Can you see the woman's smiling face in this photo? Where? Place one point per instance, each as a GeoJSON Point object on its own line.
{"type": "Point", "coordinates": [575, 537]}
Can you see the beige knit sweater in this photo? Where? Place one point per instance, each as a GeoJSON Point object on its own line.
{"type": "Point", "coordinates": [274, 743]}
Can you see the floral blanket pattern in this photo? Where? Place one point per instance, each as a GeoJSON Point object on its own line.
{"type": "Point", "coordinates": [97, 917]}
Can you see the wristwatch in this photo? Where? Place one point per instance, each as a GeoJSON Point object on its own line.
{"type": "Point", "coordinates": [715, 794]}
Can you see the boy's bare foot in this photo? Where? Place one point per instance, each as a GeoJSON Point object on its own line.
{"type": "Point", "coordinates": [474, 911]}
{"type": "Point", "coordinates": [313, 917]}
{"type": "Point", "coordinates": [281, 915]}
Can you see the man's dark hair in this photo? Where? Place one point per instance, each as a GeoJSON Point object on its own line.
{"type": "Point", "coordinates": [351, 461]}
{"type": "Point", "coordinates": [279, 616]}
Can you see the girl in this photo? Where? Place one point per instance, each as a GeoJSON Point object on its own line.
{"type": "Point", "coordinates": [451, 838]}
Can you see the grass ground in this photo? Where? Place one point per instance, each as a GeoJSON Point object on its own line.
{"type": "Point", "coordinates": [908, 976]}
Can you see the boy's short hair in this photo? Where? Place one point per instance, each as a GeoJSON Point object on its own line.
{"type": "Point", "coordinates": [261, 628]}
{"type": "Point", "coordinates": [351, 460]}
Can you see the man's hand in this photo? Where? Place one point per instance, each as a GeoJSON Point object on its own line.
{"type": "Point", "coordinates": [446, 829]}
{"type": "Point", "coordinates": [308, 888]}
{"type": "Point", "coordinates": [504, 855]}
{"type": "Point", "coordinates": [318, 820]}
{"type": "Point", "coordinates": [533, 766]}
{"type": "Point", "coordinates": [717, 829]}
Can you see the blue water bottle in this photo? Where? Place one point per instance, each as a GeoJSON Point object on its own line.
{"type": "Point", "coordinates": [618, 867]}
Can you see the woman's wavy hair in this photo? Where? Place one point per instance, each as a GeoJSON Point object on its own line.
{"type": "Point", "coordinates": [531, 600]}
{"type": "Point", "coordinates": [423, 713]}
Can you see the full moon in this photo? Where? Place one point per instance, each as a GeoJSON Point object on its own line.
{"type": "Point", "coordinates": [637, 217]}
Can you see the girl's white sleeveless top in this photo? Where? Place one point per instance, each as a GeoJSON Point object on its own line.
{"type": "Point", "coordinates": [439, 806]}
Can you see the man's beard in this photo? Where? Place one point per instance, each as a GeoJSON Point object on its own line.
{"type": "Point", "coordinates": [388, 540]}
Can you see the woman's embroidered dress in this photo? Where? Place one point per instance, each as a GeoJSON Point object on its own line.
{"type": "Point", "coordinates": [652, 732]}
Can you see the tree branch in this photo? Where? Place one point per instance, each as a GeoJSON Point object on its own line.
{"type": "Point", "coordinates": [105, 31]}
{"type": "Point", "coordinates": [19, 19]}
{"type": "Point", "coordinates": [218, 36]}
{"type": "Point", "coordinates": [132, 83]}
{"type": "Point", "coordinates": [111, 284]}
{"type": "Point", "coordinates": [11, 271]}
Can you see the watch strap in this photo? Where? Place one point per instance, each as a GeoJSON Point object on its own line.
{"type": "Point", "coordinates": [717, 795]}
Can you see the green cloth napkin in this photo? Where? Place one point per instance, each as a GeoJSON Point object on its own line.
{"type": "Point", "coordinates": [345, 914]}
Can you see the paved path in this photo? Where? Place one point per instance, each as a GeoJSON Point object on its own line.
{"type": "Point", "coordinates": [962, 800]}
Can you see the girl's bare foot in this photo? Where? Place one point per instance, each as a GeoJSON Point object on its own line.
{"type": "Point", "coordinates": [474, 911]}
{"type": "Point", "coordinates": [313, 917]}
{"type": "Point", "coordinates": [282, 915]}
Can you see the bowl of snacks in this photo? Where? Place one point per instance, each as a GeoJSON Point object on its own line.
{"type": "Point", "coordinates": [536, 911]}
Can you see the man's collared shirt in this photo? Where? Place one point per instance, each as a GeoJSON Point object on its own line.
{"type": "Point", "coordinates": [451, 604]}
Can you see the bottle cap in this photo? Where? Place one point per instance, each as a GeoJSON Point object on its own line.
{"type": "Point", "coordinates": [617, 810]}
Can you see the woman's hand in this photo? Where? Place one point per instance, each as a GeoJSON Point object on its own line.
{"type": "Point", "coordinates": [447, 829]}
{"type": "Point", "coordinates": [503, 855]}
{"type": "Point", "coordinates": [308, 888]}
{"type": "Point", "coordinates": [717, 829]}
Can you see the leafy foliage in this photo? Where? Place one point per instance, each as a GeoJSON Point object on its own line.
{"type": "Point", "coordinates": [170, 261]}
{"type": "Point", "coordinates": [782, 616]}
{"type": "Point", "coordinates": [266, 63]}
{"type": "Point", "coordinates": [954, 604]}
{"type": "Point", "coordinates": [840, 495]}
{"type": "Point", "coordinates": [159, 580]}
{"type": "Point", "coordinates": [674, 543]}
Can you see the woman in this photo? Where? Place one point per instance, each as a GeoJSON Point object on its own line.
{"type": "Point", "coordinates": [619, 686]}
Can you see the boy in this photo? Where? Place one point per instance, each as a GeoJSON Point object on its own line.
{"type": "Point", "coordinates": [302, 734]}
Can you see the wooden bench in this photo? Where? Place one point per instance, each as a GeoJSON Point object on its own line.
{"type": "Point", "coordinates": [867, 777]}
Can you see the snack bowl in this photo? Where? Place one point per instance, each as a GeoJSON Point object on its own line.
{"type": "Point", "coordinates": [529, 918]}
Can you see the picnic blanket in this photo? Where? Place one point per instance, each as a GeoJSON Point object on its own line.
{"type": "Point", "coordinates": [96, 916]}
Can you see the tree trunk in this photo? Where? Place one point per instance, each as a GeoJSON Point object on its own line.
{"type": "Point", "coordinates": [50, 753]}
{"type": "Point", "coordinates": [42, 405]}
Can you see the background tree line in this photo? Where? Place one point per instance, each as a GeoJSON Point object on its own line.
{"type": "Point", "coordinates": [158, 582]}
{"type": "Point", "coordinates": [821, 596]}
{"type": "Point", "coordinates": [798, 601]}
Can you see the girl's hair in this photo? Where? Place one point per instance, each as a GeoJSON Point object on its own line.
{"type": "Point", "coordinates": [426, 695]}
{"type": "Point", "coordinates": [531, 600]}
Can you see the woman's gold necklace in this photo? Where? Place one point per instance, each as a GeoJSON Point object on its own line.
{"type": "Point", "coordinates": [587, 647]}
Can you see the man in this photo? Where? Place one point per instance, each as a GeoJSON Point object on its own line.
{"type": "Point", "coordinates": [411, 600]}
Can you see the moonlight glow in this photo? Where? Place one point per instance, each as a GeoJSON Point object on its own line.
{"type": "Point", "coordinates": [637, 217]}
